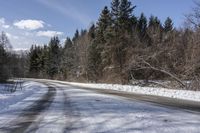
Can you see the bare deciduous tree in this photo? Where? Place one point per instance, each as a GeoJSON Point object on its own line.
{"type": "Point", "coordinates": [193, 18]}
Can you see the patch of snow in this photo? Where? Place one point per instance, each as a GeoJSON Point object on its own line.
{"type": "Point", "coordinates": [92, 112]}
{"type": "Point", "coordinates": [19, 101]}
{"type": "Point", "coordinates": [163, 92]}
{"type": "Point", "coordinates": [8, 98]}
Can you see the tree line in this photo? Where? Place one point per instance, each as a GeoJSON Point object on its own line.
{"type": "Point", "coordinates": [119, 48]}
{"type": "Point", "coordinates": [11, 64]}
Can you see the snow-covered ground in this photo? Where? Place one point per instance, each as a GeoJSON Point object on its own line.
{"type": "Point", "coordinates": [7, 98]}
{"type": "Point", "coordinates": [74, 110]}
{"type": "Point", "coordinates": [12, 104]}
{"type": "Point", "coordinates": [171, 93]}
{"type": "Point", "coordinates": [97, 113]}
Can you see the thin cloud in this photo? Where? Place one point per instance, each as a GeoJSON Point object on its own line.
{"type": "Point", "coordinates": [29, 24]}
{"type": "Point", "coordinates": [49, 33]}
{"type": "Point", "coordinates": [67, 10]}
{"type": "Point", "coordinates": [23, 33]}
{"type": "Point", "coordinates": [10, 36]}
{"type": "Point", "coordinates": [3, 23]}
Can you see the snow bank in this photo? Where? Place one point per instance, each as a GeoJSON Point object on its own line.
{"type": "Point", "coordinates": [7, 99]}
{"type": "Point", "coordinates": [170, 93]}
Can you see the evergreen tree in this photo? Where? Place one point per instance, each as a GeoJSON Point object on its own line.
{"type": "Point", "coordinates": [118, 34]}
{"type": "Point", "coordinates": [125, 14]}
{"type": "Point", "coordinates": [68, 59]}
{"type": "Point", "coordinates": [91, 32]}
{"type": "Point", "coordinates": [76, 35]}
{"type": "Point", "coordinates": [54, 57]}
{"type": "Point", "coordinates": [3, 65]}
{"type": "Point", "coordinates": [104, 21]}
{"type": "Point", "coordinates": [44, 61]}
{"type": "Point", "coordinates": [93, 55]}
{"type": "Point", "coordinates": [155, 31]}
{"type": "Point", "coordinates": [34, 61]}
{"type": "Point", "coordinates": [68, 43]}
{"type": "Point", "coordinates": [168, 25]}
{"type": "Point", "coordinates": [142, 26]}
{"type": "Point", "coordinates": [134, 22]}
{"type": "Point", "coordinates": [97, 46]}
{"type": "Point", "coordinates": [122, 14]}
{"type": "Point", "coordinates": [115, 10]}
{"type": "Point", "coordinates": [154, 22]}
{"type": "Point", "coordinates": [4, 41]}
{"type": "Point", "coordinates": [5, 46]}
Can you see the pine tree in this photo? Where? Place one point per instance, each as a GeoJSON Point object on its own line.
{"type": "Point", "coordinates": [155, 31]}
{"type": "Point", "coordinates": [94, 61]}
{"type": "Point", "coordinates": [115, 10]}
{"type": "Point", "coordinates": [142, 26]}
{"type": "Point", "coordinates": [34, 61]}
{"type": "Point", "coordinates": [54, 57]}
{"type": "Point", "coordinates": [3, 68]}
{"type": "Point", "coordinates": [4, 41]}
{"type": "Point", "coordinates": [76, 36]}
{"type": "Point", "coordinates": [117, 35]}
{"type": "Point", "coordinates": [5, 46]}
{"type": "Point", "coordinates": [97, 46]}
{"type": "Point", "coordinates": [134, 22]}
{"type": "Point", "coordinates": [168, 25]}
{"type": "Point", "coordinates": [91, 32]}
{"type": "Point", "coordinates": [67, 66]}
{"type": "Point", "coordinates": [104, 21]}
{"type": "Point", "coordinates": [154, 22]}
{"type": "Point", "coordinates": [93, 55]}
{"type": "Point", "coordinates": [44, 61]}
{"type": "Point", "coordinates": [125, 14]}
{"type": "Point", "coordinates": [122, 14]}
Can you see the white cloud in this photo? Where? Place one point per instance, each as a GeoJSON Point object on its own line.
{"type": "Point", "coordinates": [49, 33]}
{"type": "Point", "coordinates": [23, 39]}
{"type": "Point", "coordinates": [10, 36]}
{"type": "Point", "coordinates": [6, 26]}
{"type": "Point", "coordinates": [68, 10]}
{"type": "Point", "coordinates": [3, 23]}
{"type": "Point", "coordinates": [29, 24]}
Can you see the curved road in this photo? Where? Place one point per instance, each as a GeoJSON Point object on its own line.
{"type": "Point", "coordinates": [65, 108]}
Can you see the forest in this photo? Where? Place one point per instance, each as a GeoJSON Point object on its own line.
{"type": "Point", "coordinates": [119, 48]}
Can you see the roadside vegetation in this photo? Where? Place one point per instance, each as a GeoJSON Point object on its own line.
{"type": "Point", "coordinates": [119, 48]}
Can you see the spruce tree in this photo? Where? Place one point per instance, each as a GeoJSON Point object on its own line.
{"type": "Point", "coordinates": [119, 34]}
{"type": "Point", "coordinates": [104, 21]}
{"type": "Point", "coordinates": [4, 41]}
{"type": "Point", "coordinates": [115, 10]}
{"type": "Point", "coordinates": [67, 65]}
{"type": "Point", "coordinates": [44, 61]}
{"type": "Point", "coordinates": [97, 47]}
{"type": "Point", "coordinates": [94, 59]}
{"type": "Point", "coordinates": [54, 57]}
{"type": "Point", "coordinates": [76, 35]}
{"type": "Point", "coordinates": [168, 25]}
{"type": "Point", "coordinates": [34, 61]}
{"type": "Point", "coordinates": [154, 22]}
{"type": "Point", "coordinates": [125, 14]}
{"type": "Point", "coordinates": [142, 26]}
{"type": "Point", "coordinates": [4, 66]}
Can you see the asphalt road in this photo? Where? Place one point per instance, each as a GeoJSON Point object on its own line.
{"type": "Point", "coordinates": [27, 116]}
{"type": "Point", "coordinates": [186, 105]}
{"type": "Point", "coordinates": [64, 108]}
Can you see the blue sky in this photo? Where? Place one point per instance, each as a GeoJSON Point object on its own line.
{"type": "Point", "coordinates": [29, 22]}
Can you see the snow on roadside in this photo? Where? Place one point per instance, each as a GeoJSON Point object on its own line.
{"type": "Point", "coordinates": [170, 93]}
{"type": "Point", "coordinates": [7, 99]}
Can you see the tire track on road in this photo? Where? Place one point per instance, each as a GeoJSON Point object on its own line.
{"type": "Point", "coordinates": [29, 115]}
